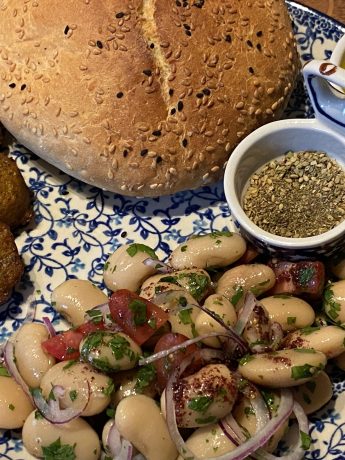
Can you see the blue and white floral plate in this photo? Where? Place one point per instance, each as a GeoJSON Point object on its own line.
{"type": "Point", "coordinates": [77, 226]}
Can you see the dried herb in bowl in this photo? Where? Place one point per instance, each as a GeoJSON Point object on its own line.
{"type": "Point", "coordinates": [297, 196]}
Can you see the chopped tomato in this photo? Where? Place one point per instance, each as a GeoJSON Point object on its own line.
{"type": "Point", "coordinates": [65, 346]}
{"type": "Point", "coordinates": [138, 317]}
{"type": "Point", "coordinates": [166, 366]}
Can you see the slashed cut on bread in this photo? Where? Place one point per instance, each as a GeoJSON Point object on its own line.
{"type": "Point", "coordinates": [143, 97]}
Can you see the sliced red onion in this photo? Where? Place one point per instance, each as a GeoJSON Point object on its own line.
{"type": "Point", "coordinates": [31, 311]}
{"type": "Point", "coordinates": [246, 448]}
{"type": "Point", "coordinates": [113, 442]}
{"type": "Point", "coordinates": [164, 353]}
{"type": "Point", "coordinates": [160, 267]}
{"type": "Point", "coordinates": [231, 424]}
{"type": "Point", "coordinates": [229, 432]}
{"type": "Point", "coordinates": [297, 452]}
{"type": "Point", "coordinates": [49, 326]}
{"type": "Point", "coordinates": [51, 410]}
{"type": "Point", "coordinates": [10, 362]}
{"type": "Point", "coordinates": [207, 354]}
{"type": "Point", "coordinates": [261, 411]}
{"type": "Point", "coordinates": [245, 312]}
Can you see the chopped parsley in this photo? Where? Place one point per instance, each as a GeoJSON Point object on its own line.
{"type": "Point", "coordinates": [134, 248]}
{"type": "Point", "coordinates": [243, 361]}
{"type": "Point", "coordinates": [200, 403]}
{"type": "Point", "coordinates": [305, 440]}
{"type": "Point", "coordinates": [109, 389]}
{"type": "Point", "coordinates": [139, 311]}
{"type": "Point", "coordinates": [217, 233]}
{"type": "Point", "coordinates": [238, 294]}
{"type": "Point", "coordinates": [204, 421]}
{"type": "Point", "coordinates": [304, 371]}
{"type": "Point", "coordinates": [96, 316]}
{"type": "Point", "coordinates": [332, 307]}
{"type": "Point", "coordinates": [145, 376]}
{"type": "Point", "coordinates": [70, 363]}
{"type": "Point", "coordinates": [58, 451]}
{"type": "Point", "coordinates": [185, 316]}
{"type": "Point", "coordinates": [4, 372]}
{"type": "Point", "coordinates": [73, 394]}
{"type": "Point", "coordinates": [184, 248]}
{"type": "Point", "coordinates": [291, 320]}
{"type": "Point", "coordinates": [110, 412]}
{"type": "Point", "coordinates": [305, 275]}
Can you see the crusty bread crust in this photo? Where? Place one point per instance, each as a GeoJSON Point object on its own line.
{"type": "Point", "coordinates": [143, 97]}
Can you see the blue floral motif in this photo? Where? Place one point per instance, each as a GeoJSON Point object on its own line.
{"type": "Point", "coordinates": [77, 226]}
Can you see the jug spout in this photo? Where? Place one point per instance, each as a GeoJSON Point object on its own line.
{"type": "Point", "coordinates": [325, 83]}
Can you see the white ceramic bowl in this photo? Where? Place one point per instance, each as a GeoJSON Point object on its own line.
{"type": "Point", "coordinates": [265, 144]}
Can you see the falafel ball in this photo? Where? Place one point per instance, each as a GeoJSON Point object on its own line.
{"type": "Point", "coordinates": [15, 197]}
{"type": "Point", "coordinates": [11, 265]}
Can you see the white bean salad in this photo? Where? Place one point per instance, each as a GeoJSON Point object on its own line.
{"type": "Point", "coordinates": [213, 354]}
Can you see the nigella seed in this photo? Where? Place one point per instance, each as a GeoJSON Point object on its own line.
{"type": "Point", "coordinates": [249, 43]}
{"type": "Point", "coordinates": [199, 95]}
{"type": "Point", "coordinates": [23, 87]}
{"type": "Point", "coordinates": [184, 142]}
{"type": "Point", "coordinates": [259, 33]}
{"type": "Point", "coordinates": [66, 30]}
{"type": "Point", "coordinates": [180, 106]}
{"type": "Point", "coordinates": [12, 85]}
{"type": "Point", "coordinates": [119, 95]}
{"type": "Point", "coordinates": [178, 3]}
{"type": "Point", "coordinates": [206, 91]}
{"type": "Point", "coordinates": [144, 152]}
{"type": "Point", "coordinates": [123, 234]}
{"type": "Point", "coordinates": [156, 133]}
{"type": "Point", "coordinates": [188, 32]}
{"type": "Point", "coordinates": [147, 72]}
{"type": "Point", "coordinates": [171, 92]}
{"type": "Point", "coordinates": [125, 153]}
{"type": "Point", "coordinates": [152, 46]}
{"type": "Point", "coordinates": [186, 26]}
{"type": "Point", "coordinates": [251, 70]}
{"type": "Point", "coordinates": [172, 111]}
{"type": "Point", "coordinates": [258, 46]}
{"type": "Point", "coordinates": [119, 15]}
{"type": "Point", "coordinates": [228, 38]}
{"type": "Point", "coordinates": [159, 159]}
{"type": "Point", "coordinates": [99, 44]}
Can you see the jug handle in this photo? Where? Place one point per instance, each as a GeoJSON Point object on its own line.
{"type": "Point", "coordinates": [328, 103]}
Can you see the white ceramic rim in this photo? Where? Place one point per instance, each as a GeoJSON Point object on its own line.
{"type": "Point", "coordinates": [339, 51]}
{"type": "Point", "coordinates": [236, 208]}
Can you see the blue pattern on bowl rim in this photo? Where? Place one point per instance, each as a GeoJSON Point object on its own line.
{"type": "Point", "coordinates": [77, 226]}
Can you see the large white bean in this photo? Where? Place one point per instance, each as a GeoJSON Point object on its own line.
{"type": "Point", "coordinates": [257, 278]}
{"type": "Point", "coordinates": [334, 301]}
{"type": "Point", "coordinates": [339, 269]}
{"type": "Point", "coordinates": [209, 441]}
{"type": "Point", "coordinates": [196, 281]}
{"type": "Point", "coordinates": [289, 311]}
{"type": "Point", "coordinates": [15, 405]}
{"type": "Point", "coordinates": [72, 376]}
{"type": "Point", "coordinates": [330, 340]}
{"type": "Point", "coordinates": [109, 351]}
{"type": "Point", "coordinates": [246, 417]}
{"type": "Point", "coordinates": [204, 397]}
{"type": "Point", "coordinates": [77, 434]}
{"type": "Point", "coordinates": [32, 361]}
{"type": "Point", "coordinates": [315, 393]}
{"type": "Point", "coordinates": [205, 324]}
{"type": "Point", "coordinates": [139, 420]}
{"type": "Point", "coordinates": [130, 383]}
{"type": "Point", "coordinates": [73, 298]}
{"type": "Point", "coordinates": [217, 249]}
{"type": "Point", "coordinates": [284, 368]}
{"type": "Point", "coordinates": [125, 268]}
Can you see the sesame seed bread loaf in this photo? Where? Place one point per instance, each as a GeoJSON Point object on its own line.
{"type": "Point", "coordinates": [142, 97]}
